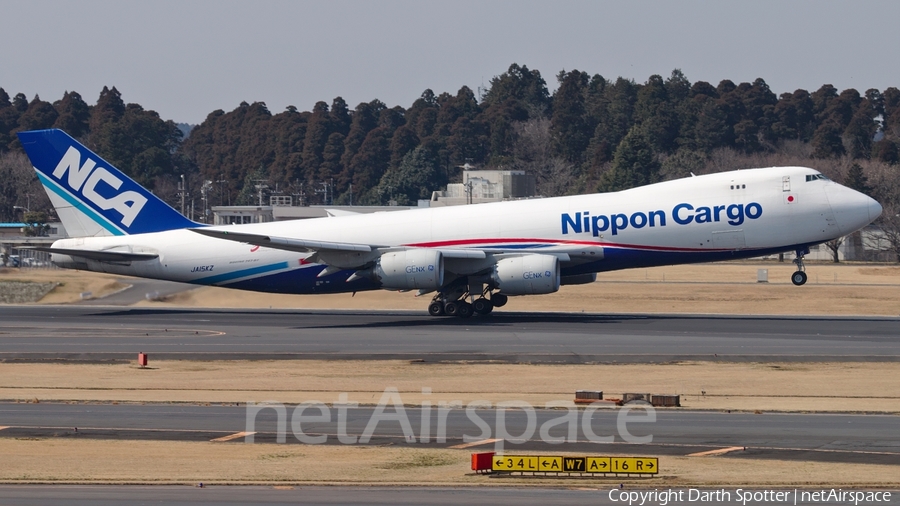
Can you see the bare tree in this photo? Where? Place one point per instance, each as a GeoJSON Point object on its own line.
{"type": "Point", "coordinates": [19, 187]}
{"type": "Point", "coordinates": [885, 181]}
{"type": "Point", "coordinates": [533, 153]}
{"type": "Point", "coordinates": [533, 145]}
{"type": "Point", "coordinates": [887, 237]}
{"type": "Point", "coordinates": [834, 246]}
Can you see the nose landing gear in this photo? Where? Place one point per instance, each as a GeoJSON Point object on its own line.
{"type": "Point", "coordinates": [799, 277]}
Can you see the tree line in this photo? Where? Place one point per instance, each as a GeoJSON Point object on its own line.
{"type": "Point", "coordinates": [590, 134]}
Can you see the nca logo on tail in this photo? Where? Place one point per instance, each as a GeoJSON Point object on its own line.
{"type": "Point", "coordinates": [86, 178]}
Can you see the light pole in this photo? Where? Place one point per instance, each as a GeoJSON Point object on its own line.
{"type": "Point", "coordinates": [182, 194]}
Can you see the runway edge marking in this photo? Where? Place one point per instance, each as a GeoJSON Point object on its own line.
{"type": "Point", "coordinates": [473, 443]}
{"type": "Point", "coordinates": [718, 451]}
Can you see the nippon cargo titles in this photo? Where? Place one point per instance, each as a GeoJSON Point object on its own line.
{"type": "Point", "coordinates": [585, 222]}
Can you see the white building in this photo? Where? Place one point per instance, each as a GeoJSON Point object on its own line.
{"type": "Point", "coordinates": [485, 186]}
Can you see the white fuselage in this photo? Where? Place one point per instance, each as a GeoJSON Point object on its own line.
{"type": "Point", "coordinates": [727, 215]}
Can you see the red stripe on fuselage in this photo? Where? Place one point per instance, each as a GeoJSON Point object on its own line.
{"type": "Point", "coordinates": [472, 242]}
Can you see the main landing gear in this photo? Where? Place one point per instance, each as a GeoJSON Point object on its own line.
{"type": "Point", "coordinates": [452, 302]}
{"type": "Point", "coordinates": [799, 277]}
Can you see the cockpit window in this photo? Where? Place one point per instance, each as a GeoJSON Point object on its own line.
{"type": "Point", "coordinates": [814, 177]}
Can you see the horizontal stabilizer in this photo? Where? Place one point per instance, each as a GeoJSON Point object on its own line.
{"type": "Point", "coordinates": [100, 256]}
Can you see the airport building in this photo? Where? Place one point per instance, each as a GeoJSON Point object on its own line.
{"type": "Point", "coordinates": [13, 237]}
{"type": "Point", "coordinates": [491, 185]}
{"type": "Point", "coordinates": [478, 186]}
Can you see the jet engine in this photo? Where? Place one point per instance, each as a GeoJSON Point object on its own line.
{"type": "Point", "coordinates": [527, 275]}
{"type": "Point", "coordinates": [410, 269]}
{"type": "Point", "coordinates": [579, 279]}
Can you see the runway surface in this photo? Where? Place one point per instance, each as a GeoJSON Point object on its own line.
{"type": "Point", "coordinates": [138, 289]}
{"type": "Point", "coordinates": [102, 333]}
{"type": "Point", "coordinates": [77, 495]}
{"type": "Point", "coordinates": [820, 437]}
{"type": "Point", "coordinates": [105, 333]}
{"type": "Point", "coordinates": [351, 496]}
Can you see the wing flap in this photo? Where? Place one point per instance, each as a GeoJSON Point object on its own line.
{"type": "Point", "coordinates": [284, 243]}
{"type": "Point", "coordinates": [473, 254]}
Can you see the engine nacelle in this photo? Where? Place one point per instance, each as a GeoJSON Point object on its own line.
{"type": "Point", "coordinates": [579, 279]}
{"type": "Point", "coordinates": [410, 269]}
{"type": "Point", "coordinates": [527, 275]}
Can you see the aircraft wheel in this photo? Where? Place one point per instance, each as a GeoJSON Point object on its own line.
{"type": "Point", "coordinates": [464, 309]}
{"type": "Point", "coordinates": [798, 278]}
{"type": "Point", "coordinates": [451, 308]}
{"type": "Point", "coordinates": [482, 306]}
{"type": "Point", "coordinates": [499, 300]}
{"type": "Point", "coordinates": [436, 308]}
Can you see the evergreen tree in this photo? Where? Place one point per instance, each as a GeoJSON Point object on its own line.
{"type": "Point", "coordinates": [287, 134]}
{"type": "Point", "coordinates": [826, 142]}
{"type": "Point", "coordinates": [620, 98]}
{"type": "Point", "coordinates": [369, 164]}
{"type": "Point", "coordinates": [859, 133]}
{"type": "Point", "coordinates": [109, 109]}
{"type": "Point", "coordinates": [9, 119]}
{"type": "Point", "coordinates": [712, 129]}
{"type": "Point", "coordinates": [794, 117]}
{"type": "Point", "coordinates": [887, 151]}
{"type": "Point", "coordinates": [39, 116]}
{"type": "Point", "coordinates": [524, 88]}
{"type": "Point", "coordinates": [249, 194]}
{"type": "Point", "coordinates": [857, 180]}
{"type": "Point", "coordinates": [567, 125]}
{"type": "Point", "coordinates": [74, 114]}
{"type": "Point", "coordinates": [500, 118]}
{"type": "Point", "coordinates": [678, 88]}
{"type": "Point", "coordinates": [20, 103]}
{"type": "Point", "coordinates": [705, 89]}
{"type": "Point", "coordinates": [891, 105]}
{"type": "Point", "coordinates": [403, 141]}
{"type": "Point", "coordinates": [422, 116]}
{"type": "Point", "coordinates": [340, 116]}
{"type": "Point", "coordinates": [364, 120]}
{"type": "Point", "coordinates": [635, 163]}
{"type": "Point", "coordinates": [331, 157]}
{"type": "Point", "coordinates": [318, 129]}
{"type": "Point", "coordinates": [417, 175]}
{"type": "Point", "coordinates": [467, 141]}
{"type": "Point", "coordinates": [822, 99]}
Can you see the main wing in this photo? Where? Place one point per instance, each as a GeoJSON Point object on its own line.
{"type": "Point", "coordinates": [454, 272]}
{"type": "Point", "coordinates": [326, 248]}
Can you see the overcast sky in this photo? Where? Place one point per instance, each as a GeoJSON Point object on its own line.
{"type": "Point", "coordinates": [185, 59]}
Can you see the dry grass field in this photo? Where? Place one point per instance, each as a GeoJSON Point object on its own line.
{"type": "Point", "coordinates": [787, 387]}
{"type": "Point", "coordinates": [723, 288]}
{"type": "Point", "coordinates": [727, 288]}
{"type": "Point", "coordinates": [66, 460]}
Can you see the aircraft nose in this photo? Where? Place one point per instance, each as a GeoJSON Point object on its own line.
{"type": "Point", "coordinates": [852, 209]}
{"type": "Point", "coordinates": [874, 209]}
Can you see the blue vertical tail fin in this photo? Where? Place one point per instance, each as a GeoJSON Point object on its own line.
{"type": "Point", "coordinates": [91, 197]}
